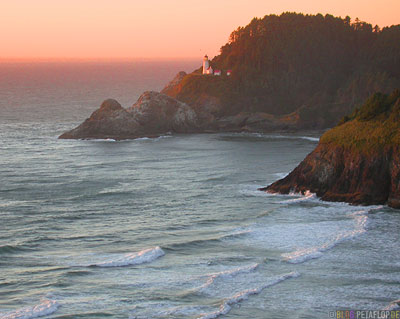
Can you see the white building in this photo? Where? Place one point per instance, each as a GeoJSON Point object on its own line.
{"type": "Point", "coordinates": [206, 65]}
{"type": "Point", "coordinates": [207, 69]}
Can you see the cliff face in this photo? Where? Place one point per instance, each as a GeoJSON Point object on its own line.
{"type": "Point", "coordinates": [153, 114]}
{"type": "Point", "coordinates": [356, 162]}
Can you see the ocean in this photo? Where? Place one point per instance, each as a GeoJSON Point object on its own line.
{"type": "Point", "coordinates": [168, 227]}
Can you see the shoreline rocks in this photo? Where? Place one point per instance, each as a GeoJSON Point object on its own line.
{"type": "Point", "coordinates": [152, 115]}
{"type": "Point", "coordinates": [357, 162]}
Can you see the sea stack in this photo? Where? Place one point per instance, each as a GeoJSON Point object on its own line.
{"type": "Point", "coordinates": [358, 161]}
{"type": "Point", "coordinates": [152, 115]}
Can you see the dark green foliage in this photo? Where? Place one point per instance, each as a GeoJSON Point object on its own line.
{"type": "Point", "coordinates": [282, 63]}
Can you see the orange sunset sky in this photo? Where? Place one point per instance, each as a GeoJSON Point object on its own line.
{"type": "Point", "coordinates": [112, 29]}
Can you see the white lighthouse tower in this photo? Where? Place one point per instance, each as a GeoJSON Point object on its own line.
{"type": "Point", "coordinates": [206, 65]}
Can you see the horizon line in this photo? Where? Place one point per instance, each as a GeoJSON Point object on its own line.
{"type": "Point", "coordinates": [94, 59]}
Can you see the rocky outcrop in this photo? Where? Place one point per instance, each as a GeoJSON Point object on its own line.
{"type": "Point", "coordinates": [335, 173]}
{"type": "Point", "coordinates": [152, 115]}
{"type": "Point", "coordinates": [356, 162]}
{"type": "Point", "coordinates": [252, 122]}
{"type": "Point", "coordinates": [172, 86]}
{"type": "Point", "coordinates": [111, 120]}
{"type": "Point", "coordinates": [158, 113]}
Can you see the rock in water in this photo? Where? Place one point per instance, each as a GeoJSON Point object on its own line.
{"type": "Point", "coordinates": [152, 115]}
{"type": "Point", "coordinates": [358, 161]}
{"type": "Point", "coordinates": [111, 120]}
{"type": "Point", "coordinates": [158, 113]}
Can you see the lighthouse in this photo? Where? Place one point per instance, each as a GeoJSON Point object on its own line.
{"type": "Point", "coordinates": [206, 65]}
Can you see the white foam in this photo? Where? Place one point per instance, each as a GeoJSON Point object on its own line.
{"type": "Point", "coordinates": [141, 257]}
{"type": "Point", "coordinates": [102, 140]}
{"type": "Point", "coordinates": [142, 138]}
{"type": "Point", "coordinates": [305, 254]}
{"type": "Point", "coordinates": [307, 196]}
{"type": "Point", "coordinates": [227, 304]}
{"type": "Point", "coordinates": [308, 138]}
{"type": "Point", "coordinates": [46, 307]}
{"type": "Point", "coordinates": [227, 274]}
{"type": "Point", "coordinates": [119, 188]}
{"type": "Point", "coordinates": [152, 138]}
{"type": "Point", "coordinates": [253, 191]}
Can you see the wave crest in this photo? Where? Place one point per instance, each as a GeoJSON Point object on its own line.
{"type": "Point", "coordinates": [46, 307]}
{"type": "Point", "coordinates": [227, 304]}
{"type": "Point", "coordinates": [227, 274]}
{"type": "Point", "coordinates": [141, 257]}
{"type": "Point", "coordinates": [305, 254]}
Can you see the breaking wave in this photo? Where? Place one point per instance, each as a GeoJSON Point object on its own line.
{"type": "Point", "coordinates": [227, 274]}
{"type": "Point", "coordinates": [307, 196]}
{"type": "Point", "coordinates": [308, 138]}
{"type": "Point", "coordinates": [46, 307]}
{"type": "Point", "coordinates": [227, 304]}
{"type": "Point", "coordinates": [152, 138]}
{"type": "Point", "coordinates": [141, 257]}
{"type": "Point", "coordinates": [253, 191]}
{"type": "Point", "coordinates": [305, 254]}
{"type": "Point", "coordinates": [119, 188]}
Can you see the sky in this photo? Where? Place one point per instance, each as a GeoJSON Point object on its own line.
{"type": "Point", "coordinates": [151, 29]}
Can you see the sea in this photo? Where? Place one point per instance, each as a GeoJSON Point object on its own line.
{"type": "Point", "coordinates": [169, 227]}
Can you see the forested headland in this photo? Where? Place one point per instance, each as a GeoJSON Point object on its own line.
{"type": "Point", "coordinates": [313, 69]}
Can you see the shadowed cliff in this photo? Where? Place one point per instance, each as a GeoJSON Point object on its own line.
{"type": "Point", "coordinates": [358, 161]}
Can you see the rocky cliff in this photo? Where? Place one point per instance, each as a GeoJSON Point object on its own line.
{"type": "Point", "coordinates": [152, 115]}
{"type": "Point", "coordinates": [358, 161]}
{"type": "Point", "coordinates": [157, 113]}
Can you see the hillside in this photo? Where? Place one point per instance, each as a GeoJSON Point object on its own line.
{"type": "Point", "coordinates": [314, 68]}
{"type": "Point", "coordinates": [358, 161]}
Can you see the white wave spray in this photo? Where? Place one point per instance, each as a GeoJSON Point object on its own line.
{"type": "Point", "coordinates": [46, 307]}
{"type": "Point", "coordinates": [226, 274]}
{"type": "Point", "coordinates": [227, 304]}
{"type": "Point", "coordinates": [302, 255]}
{"type": "Point", "coordinates": [141, 257]}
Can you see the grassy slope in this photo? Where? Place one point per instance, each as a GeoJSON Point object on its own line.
{"type": "Point", "coordinates": [373, 127]}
